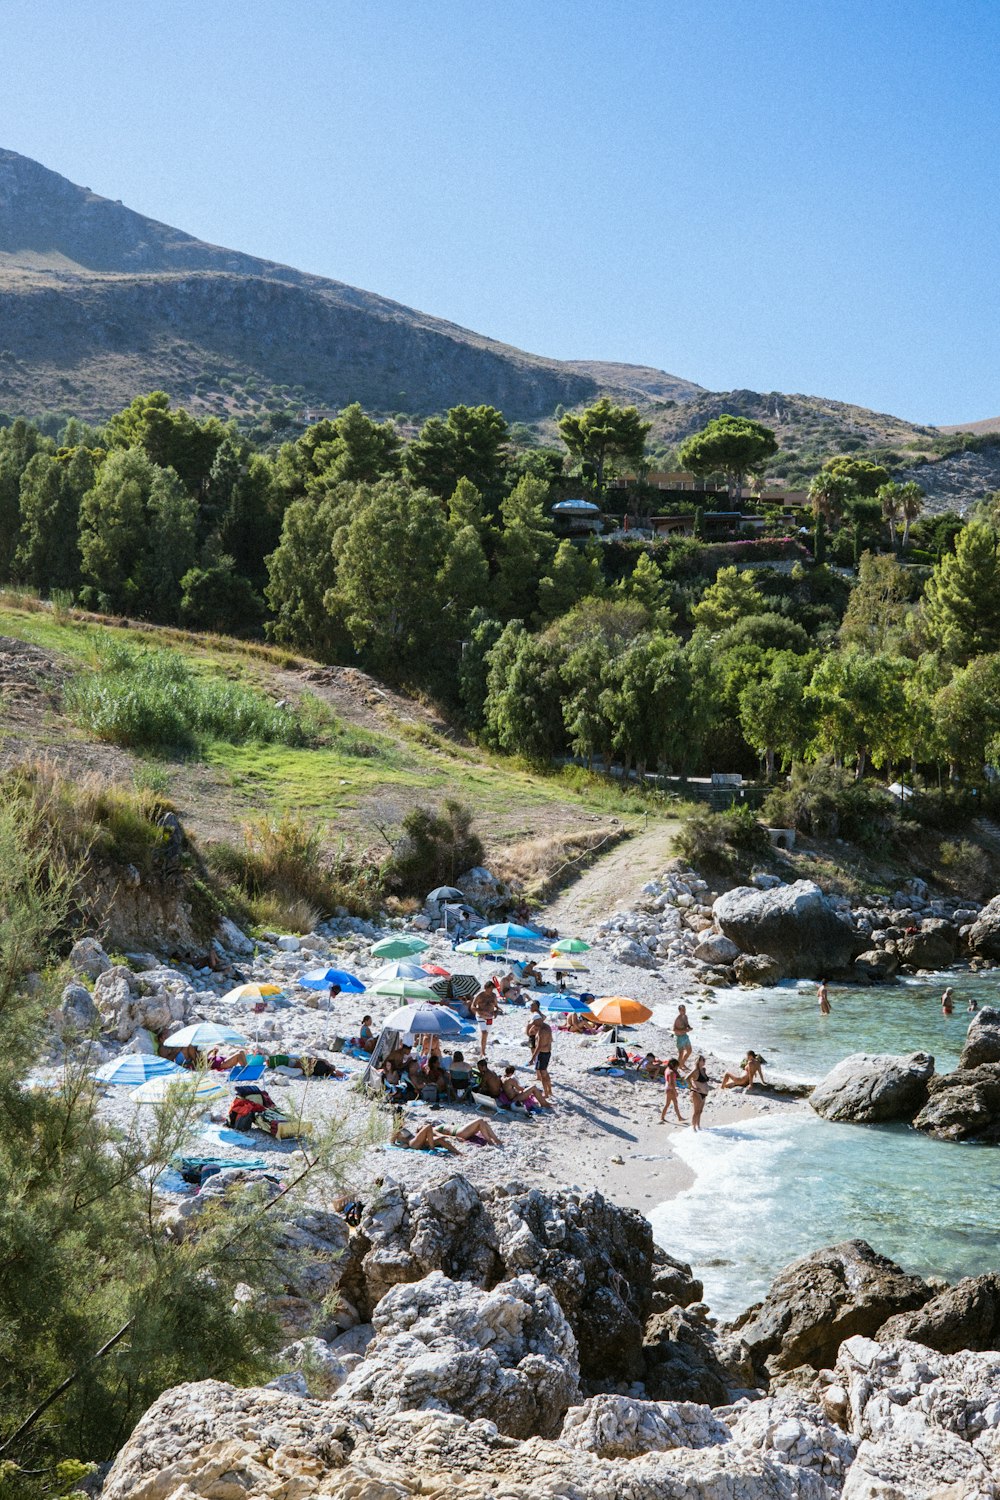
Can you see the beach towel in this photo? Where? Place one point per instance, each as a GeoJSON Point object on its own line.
{"type": "Point", "coordinates": [424, 1151]}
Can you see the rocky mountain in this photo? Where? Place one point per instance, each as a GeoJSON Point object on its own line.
{"type": "Point", "coordinates": [100, 302]}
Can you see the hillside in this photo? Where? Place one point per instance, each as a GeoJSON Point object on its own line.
{"type": "Point", "coordinates": [100, 303]}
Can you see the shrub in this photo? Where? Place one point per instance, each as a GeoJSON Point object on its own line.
{"type": "Point", "coordinates": [151, 700]}
{"type": "Point", "coordinates": [434, 849]}
{"type": "Point", "coordinates": [828, 803]}
{"type": "Point", "coordinates": [965, 868]}
{"type": "Point", "coordinates": [726, 843]}
{"type": "Point", "coordinates": [283, 879]}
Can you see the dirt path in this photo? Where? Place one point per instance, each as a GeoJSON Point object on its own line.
{"type": "Point", "coordinates": [612, 881]}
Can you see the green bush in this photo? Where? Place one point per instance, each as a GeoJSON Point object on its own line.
{"type": "Point", "coordinates": [726, 843]}
{"type": "Point", "coordinates": [151, 700]}
{"type": "Point", "coordinates": [281, 877]}
{"type": "Point", "coordinates": [828, 803]}
{"type": "Point", "coordinates": [965, 868]}
{"type": "Point", "coordinates": [435, 848]}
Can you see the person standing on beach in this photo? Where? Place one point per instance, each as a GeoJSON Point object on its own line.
{"type": "Point", "coordinates": [540, 1033]}
{"type": "Point", "coordinates": [682, 1037]}
{"type": "Point", "coordinates": [823, 998]}
{"type": "Point", "coordinates": [697, 1082]}
{"type": "Point", "coordinates": [670, 1080]}
{"type": "Point", "coordinates": [485, 1009]}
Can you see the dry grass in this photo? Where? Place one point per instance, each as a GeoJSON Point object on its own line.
{"type": "Point", "coordinates": [539, 866]}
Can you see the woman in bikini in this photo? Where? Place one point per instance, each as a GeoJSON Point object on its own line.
{"type": "Point", "coordinates": [751, 1074]}
{"type": "Point", "coordinates": [670, 1079]}
{"type": "Point", "coordinates": [697, 1081]}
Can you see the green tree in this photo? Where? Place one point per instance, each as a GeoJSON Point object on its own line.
{"type": "Point", "coordinates": [170, 439]}
{"type": "Point", "coordinates": [732, 597]}
{"type": "Point", "coordinates": [733, 446]}
{"type": "Point", "coordinates": [575, 575]}
{"type": "Point", "coordinates": [525, 548]}
{"type": "Point", "coordinates": [523, 713]}
{"type": "Point", "coordinates": [484, 632]}
{"type": "Point", "coordinates": [879, 602]}
{"type": "Point", "coordinates": [774, 715]}
{"type": "Point", "coordinates": [830, 493]}
{"type": "Point", "coordinates": [867, 477]}
{"type": "Point", "coordinates": [587, 725]}
{"type": "Point", "coordinates": [170, 545]}
{"type": "Point", "coordinates": [647, 584]}
{"type": "Point", "coordinates": [465, 506]}
{"type": "Point", "coordinates": [605, 434]}
{"type": "Point", "coordinates": [463, 581]}
{"type": "Point", "coordinates": [961, 605]}
{"type": "Point", "coordinates": [302, 571]}
{"type": "Point", "coordinates": [471, 442]}
{"type": "Point", "coordinates": [861, 708]}
{"type": "Point", "coordinates": [113, 528]}
{"type": "Point", "coordinates": [18, 445]}
{"type": "Point", "coordinates": [218, 597]}
{"type": "Point", "coordinates": [249, 527]}
{"type": "Point", "coordinates": [48, 553]}
{"type": "Point", "coordinates": [911, 498]}
{"type": "Point", "coordinates": [355, 448]}
{"type": "Point", "coordinates": [389, 558]}
{"type": "Point", "coordinates": [651, 705]}
{"type": "Point", "coordinates": [966, 715]}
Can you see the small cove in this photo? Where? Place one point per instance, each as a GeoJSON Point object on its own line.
{"type": "Point", "coordinates": [779, 1185]}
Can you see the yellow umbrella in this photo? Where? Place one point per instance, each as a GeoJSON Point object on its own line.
{"type": "Point", "coordinates": [616, 1010]}
{"type": "Point", "coordinates": [253, 992]}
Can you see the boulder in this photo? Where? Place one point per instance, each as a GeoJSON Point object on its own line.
{"type": "Point", "coordinates": [674, 1285]}
{"type": "Point", "coordinates": [758, 969]}
{"type": "Point", "coordinates": [681, 1362]}
{"type": "Point", "coordinates": [88, 957]}
{"type": "Point", "coordinates": [790, 1429]}
{"type": "Point", "coordinates": [716, 949]}
{"type": "Point", "coordinates": [935, 946]}
{"type": "Point", "coordinates": [868, 1089]}
{"type": "Point", "coordinates": [876, 965]}
{"type": "Point", "coordinates": [965, 1316]}
{"type": "Point", "coordinates": [984, 934]}
{"type": "Point", "coordinates": [964, 1105]}
{"type": "Point", "coordinates": [77, 1009]}
{"type": "Point", "coordinates": [233, 938]}
{"type": "Point", "coordinates": [820, 1300]}
{"type": "Point", "coordinates": [622, 1427]}
{"type": "Point", "coordinates": [796, 924]}
{"type": "Point", "coordinates": [627, 951]}
{"type": "Point", "coordinates": [507, 1355]}
{"type": "Point", "coordinates": [982, 1042]}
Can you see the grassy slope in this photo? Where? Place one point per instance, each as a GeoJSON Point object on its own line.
{"type": "Point", "coordinates": [377, 761]}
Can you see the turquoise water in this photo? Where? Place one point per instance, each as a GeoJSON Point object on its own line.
{"type": "Point", "coordinates": [777, 1186]}
{"type": "Point", "coordinates": [785, 1025]}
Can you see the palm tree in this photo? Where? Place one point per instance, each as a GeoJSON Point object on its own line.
{"type": "Point", "coordinates": [911, 503]}
{"type": "Point", "coordinates": [888, 496]}
{"type": "Point", "coordinates": [830, 493]}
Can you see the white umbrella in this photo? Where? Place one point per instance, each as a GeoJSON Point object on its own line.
{"type": "Point", "coordinates": [204, 1034]}
{"type": "Point", "coordinates": [418, 1020]}
{"type": "Point", "coordinates": [155, 1090]}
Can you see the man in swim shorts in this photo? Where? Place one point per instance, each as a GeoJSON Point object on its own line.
{"type": "Point", "coordinates": [682, 1038]}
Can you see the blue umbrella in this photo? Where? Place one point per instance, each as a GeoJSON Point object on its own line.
{"type": "Point", "coordinates": [502, 932]}
{"type": "Point", "coordinates": [564, 1003]}
{"type": "Point", "coordinates": [321, 979]}
{"type": "Point", "coordinates": [134, 1068]}
{"type": "Point", "coordinates": [400, 969]}
{"type": "Point", "coordinates": [418, 1020]}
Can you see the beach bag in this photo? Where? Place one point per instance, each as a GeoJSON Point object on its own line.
{"type": "Point", "coordinates": [338, 1044]}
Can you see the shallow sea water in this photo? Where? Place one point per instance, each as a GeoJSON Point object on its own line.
{"type": "Point", "coordinates": [777, 1186]}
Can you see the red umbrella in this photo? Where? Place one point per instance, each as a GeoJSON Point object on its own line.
{"type": "Point", "coordinates": [435, 969]}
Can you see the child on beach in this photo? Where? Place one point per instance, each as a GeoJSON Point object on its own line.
{"type": "Point", "coordinates": [670, 1082]}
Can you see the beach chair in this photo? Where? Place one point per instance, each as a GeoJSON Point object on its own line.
{"type": "Point", "coordinates": [250, 1073]}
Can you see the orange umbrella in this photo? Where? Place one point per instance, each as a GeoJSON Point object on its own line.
{"type": "Point", "coordinates": [616, 1010]}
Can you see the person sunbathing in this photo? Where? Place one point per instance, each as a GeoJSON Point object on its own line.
{"type": "Point", "coordinates": [424, 1139]}
{"type": "Point", "coordinates": [575, 1022]}
{"type": "Point", "coordinates": [751, 1074]}
{"type": "Point", "coordinates": [519, 1093]}
{"type": "Point", "coordinates": [651, 1066]}
{"type": "Point", "coordinates": [222, 1064]}
{"type": "Point", "coordinates": [479, 1131]}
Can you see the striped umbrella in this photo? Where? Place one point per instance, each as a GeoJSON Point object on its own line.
{"type": "Point", "coordinates": [400, 969]}
{"type": "Point", "coordinates": [480, 948]}
{"type": "Point", "coordinates": [135, 1067]}
{"type": "Point", "coordinates": [155, 1090]}
{"type": "Point", "coordinates": [254, 992]}
{"type": "Point", "coordinates": [458, 986]}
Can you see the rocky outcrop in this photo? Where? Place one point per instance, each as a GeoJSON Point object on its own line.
{"type": "Point", "coordinates": [815, 1303]}
{"type": "Point", "coordinates": [758, 969]}
{"type": "Point", "coordinates": [77, 1010]}
{"type": "Point", "coordinates": [876, 965]}
{"type": "Point", "coordinates": [982, 1042]}
{"type": "Point", "coordinates": [88, 958]}
{"type": "Point", "coordinates": [597, 1258]}
{"type": "Point", "coordinates": [964, 1105]}
{"type": "Point", "coordinates": [507, 1355]}
{"type": "Point", "coordinates": [622, 1427]}
{"type": "Point", "coordinates": [867, 1089]}
{"type": "Point", "coordinates": [966, 1316]}
{"type": "Point", "coordinates": [680, 1361]}
{"type": "Point", "coordinates": [935, 946]}
{"type": "Point", "coordinates": [156, 1000]}
{"type": "Point", "coordinates": [796, 924]}
{"type": "Point", "coordinates": [983, 936]}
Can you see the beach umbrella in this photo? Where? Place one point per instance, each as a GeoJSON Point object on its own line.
{"type": "Point", "coordinates": [480, 947]}
{"type": "Point", "coordinates": [616, 1010]}
{"type": "Point", "coordinates": [254, 992]}
{"type": "Point", "coordinates": [405, 989]}
{"type": "Point", "coordinates": [462, 985]}
{"type": "Point", "coordinates": [503, 932]}
{"type": "Point", "coordinates": [204, 1034]}
{"type": "Point", "coordinates": [562, 965]}
{"type": "Point", "coordinates": [155, 1090]}
{"type": "Point", "coordinates": [135, 1067]}
{"type": "Point", "coordinates": [570, 945]}
{"type": "Point", "coordinates": [399, 969]}
{"type": "Point", "coordinates": [436, 970]}
{"type": "Point", "coordinates": [321, 979]}
{"type": "Point", "coordinates": [421, 1021]}
{"type": "Point", "coordinates": [565, 1003]}
{"type": "Point", "coordinates": [401, 946]}
{"type": "Point", "coordinates": [446, 893]}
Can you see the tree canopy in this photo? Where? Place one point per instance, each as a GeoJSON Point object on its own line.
{"type": "Point", "coordinates": [732, 446]}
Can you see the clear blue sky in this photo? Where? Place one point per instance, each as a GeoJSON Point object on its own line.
{"type": "Point", "coordinates": [780, 194]}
